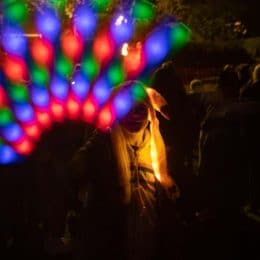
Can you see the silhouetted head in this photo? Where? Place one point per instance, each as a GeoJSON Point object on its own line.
{"type": "Point", "coordinates": [166, 80]}
{"type": "Point", "coordinates": [256, 73]}
{"type": "Point", "coordinates": [228, 82]}
{"type": "Point", "coordinates": [195, 85]}
{"type": "Point", "coordinates": [137, 118]}
{"type": "Point", "coordinates": [244, 73]}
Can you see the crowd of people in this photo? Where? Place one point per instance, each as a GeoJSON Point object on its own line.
{"type": "Point", "coordinates": [90, 195]}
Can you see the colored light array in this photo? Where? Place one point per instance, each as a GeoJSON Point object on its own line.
{"type": "Point", "coordinates": [74, 73]}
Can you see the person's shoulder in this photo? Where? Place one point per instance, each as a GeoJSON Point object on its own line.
{"type": "Point", "coordinates": [242, 108]}
{"type": "Point", "coordinates": [94, 147]}
{"type": "Point", "coordinates": [246, 88]}
{"type": "Point", "coordinates": [256, 85]}
{"type": "Point", "coordinates": [94, 139]}
{"type": "Point", "coordinates": [231, 112]}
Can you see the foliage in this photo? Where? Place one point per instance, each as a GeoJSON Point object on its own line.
{"type": "Point", "coordinates": [175, 8]}
{"type": "Point", "coordinates": [212, 20]}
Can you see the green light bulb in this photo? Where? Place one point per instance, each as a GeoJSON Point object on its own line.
{"type": "Point", "coordinates": [180, 35]}
{"type": "Point", "coordinates": [58, 3]}
{"type": "Point", "coordinates": [143, 10]}
{"type": "Point", "coordinates": [16, 12]}
{"type": "Point", "coordinates": [40, 76]}
{"type": "Point", "coordinates": [64, 66]}
{"type": "Point", "coordinates": [138, 91]}
{"type": "Point", "coordinates": [19, 93]}
{"type": "Point", "coordinates": [100, 5]}
{"type": "Point", "coordinates": [116, 74]}
{"type": "Point", "coordinates": [6, 116]}
{"type": "Point", "coordinates": [90, 67]}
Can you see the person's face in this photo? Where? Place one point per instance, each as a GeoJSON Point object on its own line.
{"type": "Point", "coordinates": [136, 119]}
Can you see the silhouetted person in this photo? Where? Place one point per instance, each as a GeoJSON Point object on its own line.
{"type": "Point", "coordinates": [180, 132]}
{"type": "Point", "coordinates": [227, 163]}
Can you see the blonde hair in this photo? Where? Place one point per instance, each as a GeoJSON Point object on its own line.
{"type": "Point", "coordinates": [122, 159]}
{"type": "Point", "coordinates": [119, 143]}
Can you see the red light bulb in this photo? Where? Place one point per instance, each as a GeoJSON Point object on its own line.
{"type": "Point", "coordinates": [103, 47]}
{"type": "Point", "coordinates": [73, 108]}
{"type": "Point", "coordinates": [24, 146]}
{"type": "Point", "coordinates": [15, 68]}
{"type": "Point", "coordinates": [42, 52]}
{"type": "Point", "coordinates": [90, 109]}
{"type": "Point", "coordinates": [72, 45]}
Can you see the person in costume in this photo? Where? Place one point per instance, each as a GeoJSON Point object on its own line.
{"type": "Point", "coordinates": [122, 177]}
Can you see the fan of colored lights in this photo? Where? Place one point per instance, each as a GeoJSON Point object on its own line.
{"type": "Point", "coordinates": [71, 68]}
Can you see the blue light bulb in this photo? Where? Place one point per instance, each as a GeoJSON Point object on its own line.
{"type": "Point", "coordinates": [85, 21]}
{"type": "Point", "coordinates": [12, 132]}
{"type": "Point", "coordinates": [14, 40]}
{"type": "Point", "coordinates": [48, 23]}
{"type": "Point", "coordinates": [157, 46]}
{"type": "Point", "coordinates": [40, 96]}
{"type": "Point", "coordinates": [122, 28]}
{"type": "Point", "coordinates": [122, 103]}
{"type": "Point", "coordinates": [59, 88]}
{"type": "Point", "coordinates": [24, 112]}
{"type": "Point", "coordinates": [80, 85]}
{"type": "Point", "coordinates": [7, 154]}
{"type": "Point", "coordinates": [101, 90]}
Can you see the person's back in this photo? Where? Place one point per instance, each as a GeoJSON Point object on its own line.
{"type": "Point", "coordinates": [229, 171]}
{"type": "Point", "coordinates": [251, 91]}
{"type": "Point", "coordinates": [179, 132]}
{"type": "Point", "coordinates": [228, 140]}
{"type": "Point", "coordinates": [244, 74]}
{"type": "Point", "coordinates": [227, 146]}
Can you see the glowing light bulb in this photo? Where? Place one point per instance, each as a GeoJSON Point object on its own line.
{"type": "Point", "coordinates": [48, 23]}
{"type": "Point", "coordinates": [13, 40]}
{"type": "Point", "coordinates": [124, 49]}
{"type": "Point", "coordinates": [7, 154]}
{"type": "Point", "coordinates": [85, 21]}
{"type": "Point", "coordinates": [121, 28]}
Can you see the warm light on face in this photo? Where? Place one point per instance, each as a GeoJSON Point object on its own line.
{"type": "Point", "coordinates": [136, 119]}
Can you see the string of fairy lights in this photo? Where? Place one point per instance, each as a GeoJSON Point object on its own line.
{"type": "Point", "coordinates": [69, 68]}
